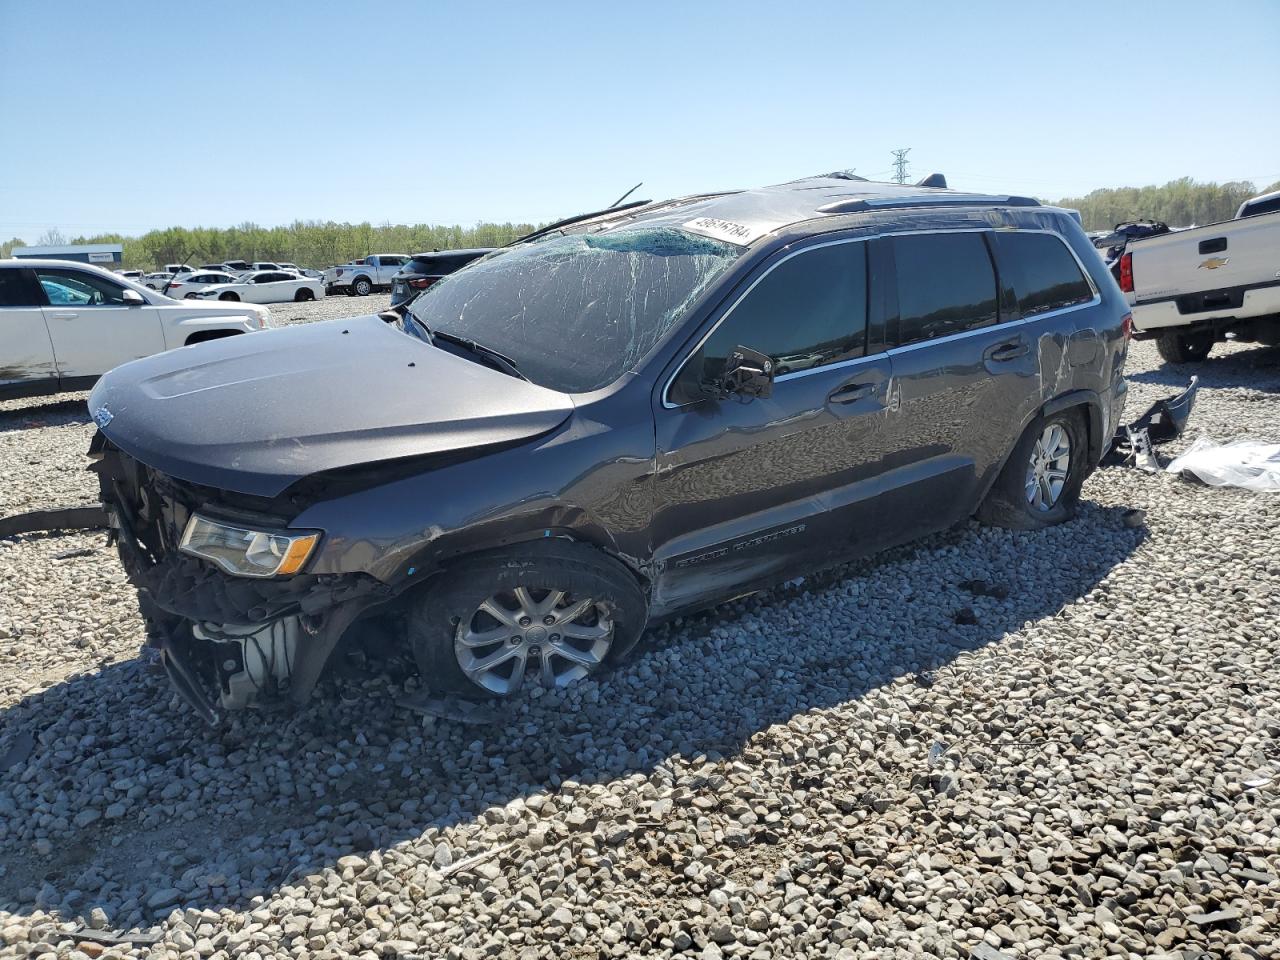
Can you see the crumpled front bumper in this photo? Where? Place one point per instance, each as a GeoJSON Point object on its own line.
{"type": "Point", "coordinates": [225, 641]}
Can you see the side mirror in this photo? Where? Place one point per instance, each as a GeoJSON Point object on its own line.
{"type": "Point", "coordinates": [747, 373]}
{"type": "Point", "coordinates": [132, 298]}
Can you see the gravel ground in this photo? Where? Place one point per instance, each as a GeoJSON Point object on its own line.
{"type": "Point", "coordinates": [992, 744]}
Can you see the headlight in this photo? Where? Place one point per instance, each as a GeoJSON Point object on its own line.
{"type": "Point", "coordinates": [245, 552]}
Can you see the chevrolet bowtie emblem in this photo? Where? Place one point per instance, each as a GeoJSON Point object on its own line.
{"type": "Point", "coordinates": [1213, 263]}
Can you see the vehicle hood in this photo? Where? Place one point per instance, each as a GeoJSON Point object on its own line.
{"type": "Point", "coordinates": [255, 414]}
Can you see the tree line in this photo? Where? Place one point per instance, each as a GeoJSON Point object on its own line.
{"type": "Point", "coordinates": [1179, 203]}
{"type": "Point", "coordinates": [317, 244]}
{"type": "Point", "coordinates": [306, 243]}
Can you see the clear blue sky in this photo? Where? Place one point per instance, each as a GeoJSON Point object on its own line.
{"type": "Point", "coordinates": [127, 116]}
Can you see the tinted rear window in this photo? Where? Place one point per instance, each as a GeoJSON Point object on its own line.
{"type": "Point", "coordinates": [946, 285]}
{"type": "Point", "coordinates": [439, 263]}
{"type": "Point", "coordinates": [1045, 275]}
{"type": "Point", "coordinates": [576, 312]}
{"type": "Point", "coordinates": [16, 290]}
{"type": "Point", "coordinates": [1262, 206]}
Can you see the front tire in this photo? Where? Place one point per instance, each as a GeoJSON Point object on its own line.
{"type": "Point", "coordinates": [1185, 347]}
{"type": "Point", "coordinates": [229, 296]}
{"type": "Point", "coordinates": [189, 296]}
{"type": "Point", "coordinates": [547, 615]}
{"type": "Point", "coordinates": [1039, 485]}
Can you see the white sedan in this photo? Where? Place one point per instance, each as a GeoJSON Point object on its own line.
{"type": "Point", "coordinates": [187, 286]}
{"type": "Point", "coordinates": [64, 324]}
{"type": "Point", "coordinates": [266, 286]}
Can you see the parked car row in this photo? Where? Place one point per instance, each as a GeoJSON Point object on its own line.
{"type": "Point", "coordinates": [237, 269]}
{"type": "Point", "coordinates": [631, 416]}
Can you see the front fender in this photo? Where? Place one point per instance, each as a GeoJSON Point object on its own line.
{"type": "Point", "coordinates": [178, 332]}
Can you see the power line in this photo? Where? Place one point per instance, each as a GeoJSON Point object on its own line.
{"type": "Point", "coordinates": [900, 164]}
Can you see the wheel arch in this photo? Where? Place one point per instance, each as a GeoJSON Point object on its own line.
{"type": "Point", "coordinates": [1091, 403]}
{"type": "Point", "coordinates": [574, 531]}
{"type": "Point", "coordinates": [202, 336]}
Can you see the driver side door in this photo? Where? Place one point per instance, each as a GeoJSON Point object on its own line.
{"type": "Point", "coordinates": [90, 325]}
{"type": "Point", "coordinates": [747, 490]}
{"type": "Point", "coordinates": [270, 288]}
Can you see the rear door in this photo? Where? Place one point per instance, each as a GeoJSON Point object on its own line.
{"type": "Point", "coordinates": [748, 489]}
{"type": "Point", "coordinates": [965, 374]}
{"type": "Point", "coordinates": [90, 325]}
{"type": "Point", "coordinates": [26, 352]}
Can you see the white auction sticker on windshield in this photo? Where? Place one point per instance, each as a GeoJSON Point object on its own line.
{"type": "Point", "coordinates": [727, 230]}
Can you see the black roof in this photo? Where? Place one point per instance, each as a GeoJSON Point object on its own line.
{"type": "Point", "coordinates": [762, 210]}
{"type": "Point", "coordinates": [468, 251]}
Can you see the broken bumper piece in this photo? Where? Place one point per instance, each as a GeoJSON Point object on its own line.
{"type": "Point", "coordinates": [1165, 420]}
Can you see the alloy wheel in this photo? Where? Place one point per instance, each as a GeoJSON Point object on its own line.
{"type": "Point", "coordinates": [1048, 468]}
{"type": "Point", "coordinates": [549, 636]}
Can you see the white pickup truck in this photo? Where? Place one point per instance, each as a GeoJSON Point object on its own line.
{"type": "Point", "coordinates": [1189, 288]}
{"type": "Point", "coordinates": [361, 277]}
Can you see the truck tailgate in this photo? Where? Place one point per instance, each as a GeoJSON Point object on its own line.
{"type": "Point", "coordinates": [1219, 256]}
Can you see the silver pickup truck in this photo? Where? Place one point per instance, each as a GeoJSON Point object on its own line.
{"type": "Point", "coordinates": [361, 277]}
{"type": "Point", "coordinates": [1189, 288]}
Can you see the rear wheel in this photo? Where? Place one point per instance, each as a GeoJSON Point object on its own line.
{"type": "Point", "coordinates": [1040, 484]}
{"type": "Point", "coordinates": [304, 294]}
{"type": "Point", "coordinates": [189, 296]}
{"type": "Point", "coordinates": [1185, 347]}
{"type": "Point", "coordinates": [229, 296]}
{"type": "Point", "coordinates": [547, 616]}
{"type": "Point", "coordinates": [362, 287]}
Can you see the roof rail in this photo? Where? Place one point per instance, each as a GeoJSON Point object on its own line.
{"type": "Point", "coordinates": [956, 200]}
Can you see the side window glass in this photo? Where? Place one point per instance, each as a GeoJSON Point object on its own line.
{"type": "Point", "coordinates": [15, 291]}
{"type": "Point", "coordinates": [81, 289]}
{"type": "Point", "coordinates": [807, 312]}
{"type": "Point", "coordinates": [946, 285]}
{"type": "Point", "coordinates": [1045, 274]}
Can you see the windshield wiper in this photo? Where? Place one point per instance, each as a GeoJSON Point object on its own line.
{"type": "Point", "coordinates": [499, 360]}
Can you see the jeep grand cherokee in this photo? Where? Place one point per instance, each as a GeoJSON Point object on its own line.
{"type": "Point", "coordinates": [622, 418]}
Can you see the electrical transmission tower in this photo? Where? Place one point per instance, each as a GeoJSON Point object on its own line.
{"type": "Point", "coordinates": [900, 165]}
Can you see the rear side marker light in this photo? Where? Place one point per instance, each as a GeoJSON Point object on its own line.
{"type": "Point", "coordinates": [1126, 326]}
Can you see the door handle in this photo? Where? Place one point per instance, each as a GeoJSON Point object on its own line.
{"type": "Point", "coordinates": [852, 392]}
{"type": "Point", "coordinates": [65, 315]}
{"type": "Point", "coordinates": [1007, 351]}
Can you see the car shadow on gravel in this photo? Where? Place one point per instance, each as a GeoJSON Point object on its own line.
{"type": "Point", "coordinates": [55, 413]}
{"type": "Point", "coordinates": [1257, 368]}
{"type": "Point", "coordinates": [124, 800]}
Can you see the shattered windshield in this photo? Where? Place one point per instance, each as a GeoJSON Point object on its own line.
{"type": "Point", "coordinates": [576, 312]}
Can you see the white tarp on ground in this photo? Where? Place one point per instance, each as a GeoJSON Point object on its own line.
{"type": "Point", "coordinates": [1251, 464]}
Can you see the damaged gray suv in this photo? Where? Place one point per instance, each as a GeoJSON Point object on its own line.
{"type": "Point", "coordinates": [621, 418]}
